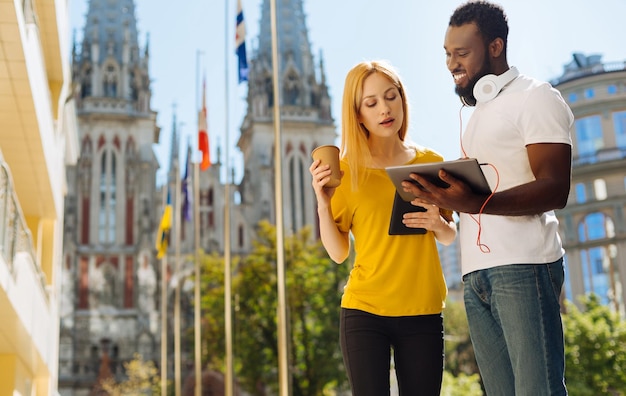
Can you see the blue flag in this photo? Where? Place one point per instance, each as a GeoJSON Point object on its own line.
{"type": "Point", "coordinates": [186, 191]}
{"type": "Point", "coordinates": [240, 44]}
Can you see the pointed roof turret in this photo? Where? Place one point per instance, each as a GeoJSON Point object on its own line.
{"type": "Point", "coordinates": [110, 24]}
{"type": "Point", "coordinates": [174, 145]}
{"type": "Point", "coordinates": [299, 82]}
{"type": "Point", "coordinates": [110, 68]}
{"type": "Point", "coordinates": [292, 35]}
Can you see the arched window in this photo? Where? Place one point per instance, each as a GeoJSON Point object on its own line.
{"type": "Point", "coordinates": [110, 81]}
{"type": "Point", "coordinates": [291, 89]}
{"type": "Point", "coordinates": [85, 89]}
{"type": "Point", "coordinates": [107, 197]}
{"type": "Point", "coordinates": [269, 90]}
{"type": "Point", "coordinates": [298, 190]}
{"type": "Point", "coordinates": [240, 236]}
{"type": "Point", "coordinates": [134, 85]}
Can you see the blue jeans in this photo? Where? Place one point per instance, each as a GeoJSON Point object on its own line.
{"type": "Point", "coordinates": [417, 342]}
{"type": "Point", "coordinates": [516, 329]}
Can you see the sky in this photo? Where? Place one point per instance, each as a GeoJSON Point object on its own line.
{"type": "Point", "coordinates": [193, 38]}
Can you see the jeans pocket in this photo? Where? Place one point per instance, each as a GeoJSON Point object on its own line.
{"type": "Point", "coordinates": [557, 276]}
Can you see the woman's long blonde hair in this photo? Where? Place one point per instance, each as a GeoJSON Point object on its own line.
{"type": "Point", "coordinates": [354, 135]}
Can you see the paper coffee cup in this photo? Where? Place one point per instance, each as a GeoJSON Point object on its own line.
{"type": "Point", "coordinates": [329, 155]}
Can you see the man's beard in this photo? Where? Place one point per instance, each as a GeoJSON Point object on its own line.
{"type": "Point", "coordinates": [467, 93]}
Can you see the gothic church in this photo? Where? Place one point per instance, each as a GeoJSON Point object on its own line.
{"type": "Point", "coordinates": [111, 285]}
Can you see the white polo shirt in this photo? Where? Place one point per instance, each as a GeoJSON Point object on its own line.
{"type": "Point", "coordinates": [527, 111]}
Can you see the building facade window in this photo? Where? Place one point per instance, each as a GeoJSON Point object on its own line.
{"type": "Point", "coordinates": [291, 89]}
{"type": "Point", "coordinates": [599, 189]}
{"type": "Point", "coordinates": [581, 193]}
{"type": "Point", "coordinates": [590, 93]}
{"type": "Point", "coordinates": [107, 197]}
{"type": "Point", "coordinates": [611, 89]}
{"type": "Point", "coordinates": [240, 236]}
{"type": "Point", "coordinates": [619, 123]}
{"type": "Point", "coordinates": [573, 97]}
{"type": "Point", "coordinates": [589, 138]}
{"type": "Point", "coordinates": [110, 82]}
{"type": "Point", "coordinates": [297, 192]}
{"type": "Point", "coordinates": [599, 270]}
{"type": "Point", "coordinates": [85, 90]}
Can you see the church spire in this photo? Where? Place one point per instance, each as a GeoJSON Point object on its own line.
{"type": "Point", "coordinates": [294, 46]}
{"type": "Point", "coordinates": [110, 68]}
{"type": "Point", "coordinates": [175, 143]}
{"type": "Point", "coordinates": [112, 26]}
{"type": "Point", "coordinates": [299, 82]}
{"type": "Point", "coordinates": [305, 110]}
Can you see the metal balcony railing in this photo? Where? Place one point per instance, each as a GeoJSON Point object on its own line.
{"type": "Point", "coordinates": [597, 68]}
{"type": "Point", "coordinates": [604, 155]}
{"type": "Point", "coordinates": [15, 237]}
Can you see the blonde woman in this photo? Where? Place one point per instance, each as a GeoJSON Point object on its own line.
{"type": "Point", "coordinates": [395, 294]}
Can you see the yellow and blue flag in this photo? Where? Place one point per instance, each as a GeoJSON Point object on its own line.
{"type": "Point", "coordinates": [163, 235]}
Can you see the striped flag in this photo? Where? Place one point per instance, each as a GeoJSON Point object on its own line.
{"type": "Point", "coordinates": [203, 134]}
{"type": "Point", "coordinates": [163, 235]}
{"type": "Point", "coordinates": [240, 44]}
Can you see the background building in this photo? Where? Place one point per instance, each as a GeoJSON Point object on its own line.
{"type": "Point", "coordinates": [593, 224]}
{"type": "Point", "coordinates": [110, 309]}
{"type": "Point", "coordinates": [38, 139]}
{"type": "Point", "coordinates": [114, 205]}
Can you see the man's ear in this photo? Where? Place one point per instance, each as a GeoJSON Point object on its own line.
{"type": "Point", "coordinates": [496, 47]}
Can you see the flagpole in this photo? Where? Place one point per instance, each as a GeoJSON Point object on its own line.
{"type": "Point", "coordinates": [177, 223]}
{"type": "Point", "coordinates": [197, 327]}
{"type": "Point", "coordinates": [283, 366]}
{"type": "Point", "coordinates": [164, 314]}
{"type": "Point", "coordinates": [177, 357]}
{"type": "Point", "coordinates": [228, 319]}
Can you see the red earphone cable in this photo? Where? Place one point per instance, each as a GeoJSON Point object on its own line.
{"type": "Point", "coordinates": [483, 248]}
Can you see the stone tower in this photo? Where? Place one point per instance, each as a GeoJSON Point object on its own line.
{"type": "Point", "coordinates": [110, 294]}
{"type": "Point", "coordinates": [306, 121]}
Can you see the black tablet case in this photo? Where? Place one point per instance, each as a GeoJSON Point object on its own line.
{"type": "Point", "coordinates": [400, 207]}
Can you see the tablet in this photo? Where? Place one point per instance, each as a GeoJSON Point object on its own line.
{"type": "Point", "coordinates": [399, 208]}
{"type": "Point", "coordinates": [466, 169]}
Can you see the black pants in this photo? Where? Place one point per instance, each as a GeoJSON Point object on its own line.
{"type": "Point", "coordinates": [417, 342]}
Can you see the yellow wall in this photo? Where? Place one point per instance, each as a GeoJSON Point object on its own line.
{"type": "Point", "coordinates": [7, 374]}
{"type": "Point", "coordinates": [16, 380]}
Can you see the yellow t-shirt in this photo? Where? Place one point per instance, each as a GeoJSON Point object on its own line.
{"type": "Point", "coordinates": [393, 275]}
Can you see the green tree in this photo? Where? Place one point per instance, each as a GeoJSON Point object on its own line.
{"type": "Point", "coordinates": [459, 352]}
{"type": "Point", "coordinates": [314, 285]}
{"type": "Point", "coordinates": [142, 379]}
{"type": "Point", "coordinates": [595, 350]}
{"type": "Point", "coordinates": [461, 376]}
{"type": "Point", "coordinates": [461, 385]}
{"type": "Point", "coordinates": [212, 308]}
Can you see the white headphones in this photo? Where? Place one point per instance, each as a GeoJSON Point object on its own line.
{"type": "Point", "coordinates": [489, 86]}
